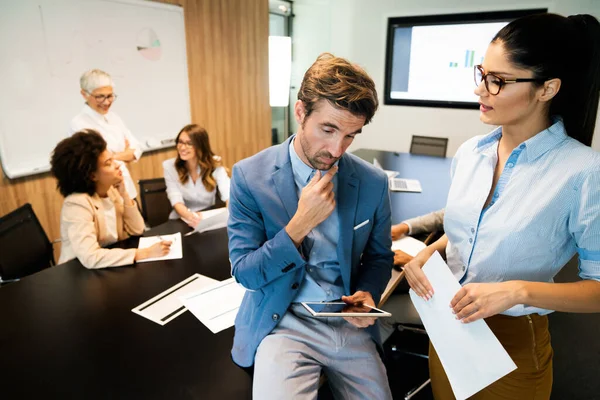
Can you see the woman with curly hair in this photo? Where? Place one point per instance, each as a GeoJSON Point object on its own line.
{"type": "Point", "coordinates": [97, 210]}
{"type": "Point", "coordinates": [195, 176]}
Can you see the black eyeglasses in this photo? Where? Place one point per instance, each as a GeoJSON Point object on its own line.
{"type": "Point", "coordinates": [494, 83]}
{"type": "Point", "coordinates": [184, 143]}
{"type": "Point", "coordinates": [102, 98]}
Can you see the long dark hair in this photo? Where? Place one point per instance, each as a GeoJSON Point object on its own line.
{"type": "Point", "coordinates": [204, 155]}
{"type": "Point", "coordinates": [553, 46]}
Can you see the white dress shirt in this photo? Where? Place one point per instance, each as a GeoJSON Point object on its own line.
{"type": "Point", "coordinates": [114, 131]}
{"type": "Point", "coordinates": [194, 195]}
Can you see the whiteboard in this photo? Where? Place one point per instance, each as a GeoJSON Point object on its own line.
{"type": "Point", "coordinates": [45, 46]}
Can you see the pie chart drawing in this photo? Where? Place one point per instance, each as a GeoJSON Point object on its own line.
{"type": "Point", "coordinates": [148, 44]}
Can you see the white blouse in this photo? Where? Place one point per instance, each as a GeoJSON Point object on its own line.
{"type": "Point", "coordinates": [194, 195]}
{"type": "Point", "coordinates": [110, 216]}
{"type": "Point", "coordinates": [114, 131]}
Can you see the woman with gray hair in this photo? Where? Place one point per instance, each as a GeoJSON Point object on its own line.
{"type": "Point", "coordinates": [97, 91]}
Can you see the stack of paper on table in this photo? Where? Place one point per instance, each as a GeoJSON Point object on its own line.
{"type": "Point", "coordinates": [409, 245]}
{"type": "Point", "coordinates": [470, 353]}
{"type": "Point", "coordinates": [175, 251]}
{"type": "Point", "coordinates": [166, 306]}
{"type": "Point", "coordinates": [212, 219]}
{"type": "Point", "coordinates": [217, 305]}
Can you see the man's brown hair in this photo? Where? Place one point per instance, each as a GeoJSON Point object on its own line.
{"type": "Point", "coordinates": [344, 85]}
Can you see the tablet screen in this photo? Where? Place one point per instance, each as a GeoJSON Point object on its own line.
{"type": "Point", "coordinates": [341, 308]}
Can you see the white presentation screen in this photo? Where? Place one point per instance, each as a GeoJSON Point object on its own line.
{"type": "Point", "coordinates": [431, 59]}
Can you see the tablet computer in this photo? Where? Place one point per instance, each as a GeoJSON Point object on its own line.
{"type": "Point", "coordinates": [341, 309]}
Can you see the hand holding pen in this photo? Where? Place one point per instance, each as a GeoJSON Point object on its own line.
{"type": "Point", "coordinates": [161, 248]}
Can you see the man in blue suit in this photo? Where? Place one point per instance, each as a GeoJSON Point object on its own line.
{"type": "Point", "coordinates": [311, 223]}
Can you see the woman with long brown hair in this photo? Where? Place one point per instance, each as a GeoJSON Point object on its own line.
{"type": "Point", "coordinates": [194, 176]}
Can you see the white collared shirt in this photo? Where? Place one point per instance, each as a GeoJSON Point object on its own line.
{"type": "Point", "coordinates": [114, 131]}
{"type": "Point", "coordinates": [193, 195]}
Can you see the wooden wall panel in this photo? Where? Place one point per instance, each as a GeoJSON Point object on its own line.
{"type": "Point", "coordinates": [227, 51]}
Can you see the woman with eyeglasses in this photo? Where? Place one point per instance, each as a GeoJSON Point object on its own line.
{"type": "Point", "coordinates": [195, 176]}
{"type": "Point", "coordinates": [525, 198]}
{"type": "Point", "coordinates": [97, 91]}
{"type": "Point", "coordinates": [97, 211]}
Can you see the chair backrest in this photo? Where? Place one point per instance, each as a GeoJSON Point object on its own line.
{"type": "Point", "coordinates": [429, 146]}
{"type": "Point", "coordinates": [24, 246]}
{"type": "Point", "coordinates": [156, 206]}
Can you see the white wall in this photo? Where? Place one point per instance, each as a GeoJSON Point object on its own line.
{"type": "Point", "coordinates": [356, 29]}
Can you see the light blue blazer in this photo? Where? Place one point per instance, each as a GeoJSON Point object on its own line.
{"type": "Point", "coordinates": [264, 259]}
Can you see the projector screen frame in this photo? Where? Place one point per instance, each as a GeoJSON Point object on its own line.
{"type": "Point", "coordinates": [441, 19]}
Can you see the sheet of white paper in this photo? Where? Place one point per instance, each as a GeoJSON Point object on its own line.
{"type": "Point", "coordinates": [217, 305]}
{"type": "Point", "coordinates": [470, 353]}
{"type": "Point", "coordinates": [405, 185]}
{"type": "Point", "coordinates": [175, 252]}
{"type": "Point", "coordinates": [212, 213]}
{"type": "Point", "coordinates": [409, 245]}
{"type": "Point", "coordinates": [212, 219]}
{"type": "Point", "coordinates": [166, 306]}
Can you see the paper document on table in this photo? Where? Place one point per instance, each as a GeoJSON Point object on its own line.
{"type": "Point", "coordinates": [389, 173]}
{"type": "Point", "coordinates": [212, 219]}
{"type": "Point", "coordinates": [166, 306]}
{"type": "Point", "coordinates": [409, 245]}
{"type": "Point", "coordinates": [217, 305]}
{"type": "Point", "coordinates": [470, 353]}
{"type": "Point", "coordinates": [175, 252]}
{"type": "Point", "coordinates": [405, 185]}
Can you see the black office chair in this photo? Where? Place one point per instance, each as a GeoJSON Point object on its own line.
{"type": "Point", "coordinates": [156, 206]}
{"type": "Point", "coordinates": [24, 246]}
{"type": "Point", "coordinates": [429, 146]}
{"type": "Point", "coordinates": [413, 335]}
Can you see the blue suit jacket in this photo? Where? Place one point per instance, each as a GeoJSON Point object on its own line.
{"type": "Point", "coordinates": [264, 259]}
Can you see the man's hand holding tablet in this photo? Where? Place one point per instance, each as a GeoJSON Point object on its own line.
{"type": "Point", "coordinates": [358, 309]}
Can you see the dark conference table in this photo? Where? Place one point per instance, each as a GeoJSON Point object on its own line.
{"type": "Point", "coordinates": [69, 332]}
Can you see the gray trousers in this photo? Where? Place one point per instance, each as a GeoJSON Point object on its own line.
{"type": "Point", "coordinates": [290, 359]}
